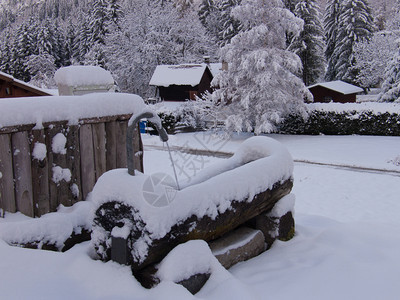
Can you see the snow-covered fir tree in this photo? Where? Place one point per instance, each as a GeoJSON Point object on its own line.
{"type": "Point", "coordinates": [391, 86]}
{"type": "Point", "coordinates": [261, 85]}
{"type": "Point", "coordinates": [355, 24]}
{"type": "Point", "coordinates": [309, 45]}
{"type": "Point", "coordinates": [331, 26]}
{"type": "Point", "coordinates": [230, 25]}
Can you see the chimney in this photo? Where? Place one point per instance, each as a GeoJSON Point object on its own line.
{"type": "Point", "coordinates": [206, 60]}
{"type": "Point", "coordinates": [224, 66]}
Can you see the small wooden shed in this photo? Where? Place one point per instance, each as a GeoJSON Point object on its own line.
{"type": "Point", "coordinates": [181, 82]}
{"type": "Point", "coordinates": [335, 91]}
{"type": "Point", "coordinates": [11, 88]}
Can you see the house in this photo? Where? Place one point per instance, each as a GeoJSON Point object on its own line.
{"type": "Point", "coordinates": [183, 82]}
{"type": "Point", "coordinates": [335, 91]}
{"type": "Point", "coordinates": [11, 88]}
{"type": "Point", "coordinates": [81, 80]}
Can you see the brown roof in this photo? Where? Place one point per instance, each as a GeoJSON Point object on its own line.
{"type": "Point", "coordinates": [23, 85]}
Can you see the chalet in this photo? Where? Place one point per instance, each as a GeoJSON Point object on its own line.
{"type": "Point", "coordinates": [183, 82]}
{"type": "Point", "coordinates": [335, 91]}
{"type": "Point", "coordinates": [11, 88]}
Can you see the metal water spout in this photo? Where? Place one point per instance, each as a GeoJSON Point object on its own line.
{"type": "Point", "coordinates": [132, 125]}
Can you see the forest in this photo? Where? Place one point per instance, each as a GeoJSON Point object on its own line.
{"type": "Point", "coordinates": [274, 48]}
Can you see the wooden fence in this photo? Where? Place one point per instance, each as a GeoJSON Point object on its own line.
{"type": "Point", "coordinates": [33, 185]}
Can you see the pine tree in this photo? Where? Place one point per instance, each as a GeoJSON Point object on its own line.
{"type": "Point", "coordinates": [355, 24]}
{"type": "Point", "coordinates": [99, 22]}
{"type": "Point", "coordinates": [309, 45]}
{"type": "Point", "coordinates": [230, 25]}
{"type": "Point", "coordinates": [391, 86]}
{"type": "Point", "coordinates": [331, 23]}
{"type": "Point", "coordinates": [260, 86]}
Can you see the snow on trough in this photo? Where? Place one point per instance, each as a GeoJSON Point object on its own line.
{"type": "Point", "coordinates": [257, 165]}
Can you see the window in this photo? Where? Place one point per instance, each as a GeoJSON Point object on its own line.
{"type": "Point", "coordinates": [8, 91]}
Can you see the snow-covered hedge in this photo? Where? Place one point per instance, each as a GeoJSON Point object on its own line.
{"type": "Point", "coordinates": [350, 118]}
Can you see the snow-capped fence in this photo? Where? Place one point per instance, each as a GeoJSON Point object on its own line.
{"type": "Point", "coordinates": [53, 149]}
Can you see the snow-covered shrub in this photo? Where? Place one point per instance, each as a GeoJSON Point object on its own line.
{"type": "Point", "coordinates": [325, 119]}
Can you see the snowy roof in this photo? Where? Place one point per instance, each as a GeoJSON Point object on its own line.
{"type": "Point", "coordinates": [184, 74]}
{"type": "Point", "coordinates": [23, 84]}
{"type": "Point", "coordinates": [339, 86]}
{"type": "Point", "coordinates": [83, 76]}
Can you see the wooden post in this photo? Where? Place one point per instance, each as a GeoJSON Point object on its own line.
{"type": "Point", "coordinates": [87, 159]}
{"type": "Point", "coordinates": [22, 172]}
{"type": "Point", "coordinates": [7, 197]}
{"type": "Point", "coordinates": [121, 144]}
{"type": "Point", "coordinates": [111, 145]}
{"type": "Point", "coordinates": [99, 146]}
{"type": "Point", "coordinates": [40, 177]}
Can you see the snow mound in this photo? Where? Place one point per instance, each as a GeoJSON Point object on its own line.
{"type": "Point", "coordinates": [188, 259]}
{"type": "Point", "coordinates": [83, 75]}
{"type": "Point", "coordinates": [52, 228]}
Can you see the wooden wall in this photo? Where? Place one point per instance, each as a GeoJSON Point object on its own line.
{"type": "Point", "coordinates": [92, 148]}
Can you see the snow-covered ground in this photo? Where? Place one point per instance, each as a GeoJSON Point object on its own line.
{"type": "Point", "coordinates": [346, 245]}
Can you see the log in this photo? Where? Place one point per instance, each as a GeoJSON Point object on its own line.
{"type": "Point", "coordinates": [113, 213]}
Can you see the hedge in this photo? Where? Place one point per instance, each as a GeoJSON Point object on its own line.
{"type": "Point", "coordinates": [343, 123]}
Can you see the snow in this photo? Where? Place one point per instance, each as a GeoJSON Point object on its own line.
{"type": "Point", "coordinates": [53, 228]}
{"type": "Point", "coordinates": [185, 260]}
{"type": "Point", "coordinates": [188, 74]}
{"type": "Point", "coordinates": [375, 107]}
{"type": "Point", "coordinates": [58, 143]}
{"type": "Point", "coordinates": [75, 76]}
{"type": "Point", "coordinates": [257, 165]}
{"type": "Point", "coordinates": [339, 86]}
{"type": "Point", "coordinates": [39, 151]}
{"type": "Point", "coordinates": [60, 174]}
{"type": "Point", "coordinates": [345, 247]}
{"type": "Point", "coordinates": [38, 110]}
{"type": "Point", "coordinates": [284, 205]}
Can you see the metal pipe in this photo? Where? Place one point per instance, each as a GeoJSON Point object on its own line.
{"type": "Point", "coordinates": [132, 124]}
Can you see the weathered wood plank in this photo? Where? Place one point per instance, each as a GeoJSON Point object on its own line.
{"type": "Point", "coordinates": [40, 176]}
{"type": "Point", "coordinates": [74, 163]}
{"type": "Point", "coordinates": [122, 127]}
{"type": "Point", "coordinates": [99, 146]}
{"type": "Point", "coordinates": [87, 159]}
{"type": "Point", "coordinates": [58, 170]}
{"type": "Point", "coordinates": [7, 197]}
{"type": "Point", "coordinates": [111, 145]}
{"type": "Point", "coordinates": [22, 172]}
